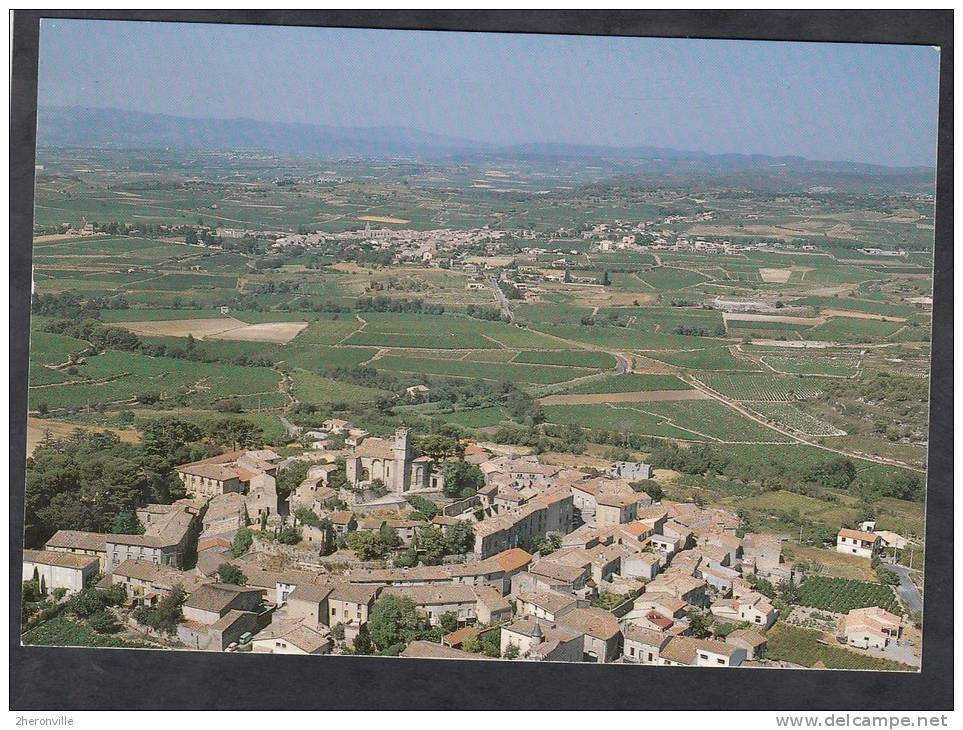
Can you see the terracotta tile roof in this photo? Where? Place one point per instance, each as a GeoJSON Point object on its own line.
{"type": "Point", "coordinates": [511, 560]}
{"type": "Point", "coordinates": [78, 540]}
{"type": "Point", "coordinates": [310, 592]}
{"type": "Point", "coordinates": [430, 650]}
{"type": "Point", "coordinates": [550, 601]}
{"type": "Point", "coordinates": [858, 535]}
{"type": "Point", "coordinates": [375, 448]}
{"type": "Point", "coordinates": [746, 637]}
{"type": "Point", "coordinates": [59, 559]}
{"type": "Point", "coordinates": [645, 636]}
{"type": "Point", "coordinates": [354, 593]}
{"type": "Point", "coordinates": [595, 622]}
{"type": "Point", "coordinates": [435, 594]}
{"type": "Point", "coordinates": [456, 637]}
{"type": "Point", "coordinates": [215, 597]}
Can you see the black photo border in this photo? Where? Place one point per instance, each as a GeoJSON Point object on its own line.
{"type": "Point", "coordinates": [48, 678]}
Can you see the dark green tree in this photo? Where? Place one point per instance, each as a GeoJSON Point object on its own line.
{"type": "Point", "coordinates": [461, 479]}
{"type": "Point", "coordinates": [243, 539]}
{"type": "Point", "coordinates": [229, 573]}
{"type": "Point", "coordinates": [393, 620]}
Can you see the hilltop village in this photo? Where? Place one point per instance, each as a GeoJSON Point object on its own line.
{"type": "Point", "coordinates": [499, 409]}
{"type": "Point", "coordinates": [371, 554]}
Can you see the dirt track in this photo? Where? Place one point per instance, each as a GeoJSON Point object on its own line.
{"type": "Point", "coordinates": [643, 396]}
{"type": "Point", "coordinates": [852, 314]}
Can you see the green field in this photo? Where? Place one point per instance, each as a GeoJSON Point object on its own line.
{"type": "Point", "coordinates": [714, 358]}
{"type": "Point", "coordinates": [790, 415]}
{"type": "Point", "coordinates": [47, 348]}
{"type": "Point", "coordinates": [761, 387]}
{"type": "Point", "coordinates": [154, 315]}
{"type": "Point", "coordinates": [121, 376]}
{"type": "Point", "coordinates": [694, 420]}
{"type": "Point", "coordinates": [841, 595]}
{"type": "Point", "coordinates": [712, 419]}
{"type": "Point", "coordinates": [511, 372]}
{"type": "Point", "coordinates": [316, 390]}
{"type": "Point", "coordinates": [667, 278]}
{"type": "Point", "coordinates": [802, 647]}
{"type": "Point", "coordinates": [813, 365]}
{"type": "Point", "coordinates": [478, 417]}
{"type": "Point", "coordinates": [607, 417]}
{"type": "Point", "coordinates": [845, 329]}
{"type": "Point", "coordinates": [576, 358]}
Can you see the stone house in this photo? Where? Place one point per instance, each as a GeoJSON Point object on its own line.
{"type": "Point", "coordinates": [70, 571]}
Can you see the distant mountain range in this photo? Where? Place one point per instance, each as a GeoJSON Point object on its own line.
{"type": "Point", "coordinates": [120, 129]}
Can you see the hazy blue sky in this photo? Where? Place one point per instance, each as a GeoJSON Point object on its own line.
{"type": "Point", "coordinates": [865, 103]}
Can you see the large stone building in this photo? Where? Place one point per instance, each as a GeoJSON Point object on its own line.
{"type": "Point", "coordinates": [250, 472]}
{"type": "Point", "coordinates": [394, 462]}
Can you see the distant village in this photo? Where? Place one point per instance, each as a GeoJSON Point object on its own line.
{"type": "Point", "coordinates": [549, 563]}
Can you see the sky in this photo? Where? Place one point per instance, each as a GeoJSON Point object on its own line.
{"type": "Point", "coordinates": [852, 102]}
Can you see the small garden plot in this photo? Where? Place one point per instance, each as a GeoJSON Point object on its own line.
{"type": "Point", "coordinates": [713, 419]}
{"type": "Point", "coordinates": [575, 358]}
{"type": "Point", "coordinates": [713, 358]}
{"type": "Point", "coordinates": [792, 416]}
{"type": "Point", "coordinates": [61, 631]}
{"type": "Point", "coordinates": [761, 388]}
{"type": "Point", "coordinates": [629, 383]}
{"type": "Point", "coordinates": [316, 390]}
{"type": "Point", "coordinates": [840, 595]}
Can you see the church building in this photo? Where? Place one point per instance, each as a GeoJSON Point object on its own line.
{"type": "Point", "coordinates": [395, 462]}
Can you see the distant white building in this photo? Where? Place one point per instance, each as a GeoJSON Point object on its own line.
{"type": "Point", "coordinates": [630, 470]}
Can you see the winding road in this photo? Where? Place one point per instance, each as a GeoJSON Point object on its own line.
{"type": "Point", "coordinates": [908, 592]}
{"type": "Point", "coordinates": [502, 300]}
